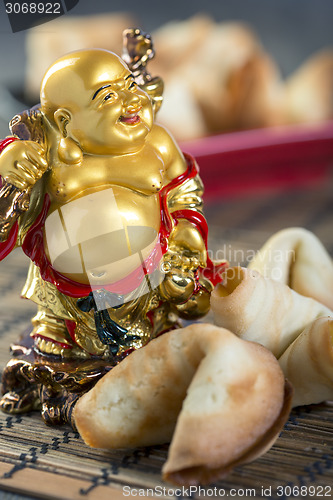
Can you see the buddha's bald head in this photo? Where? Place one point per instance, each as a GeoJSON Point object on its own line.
{"type": "Point", "coordinates": [70, 82]}
{"type": "Point", "coordinates": [91, 98]}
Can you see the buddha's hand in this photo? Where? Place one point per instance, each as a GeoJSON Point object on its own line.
{"type": "Point", "coordinates": [180, 276]}
{"type": "Point", "coordinates": [22, 163]}
{"type": "Point", "coordinates": [137, 49]}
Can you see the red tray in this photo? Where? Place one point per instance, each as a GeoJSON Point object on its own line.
{"type": "Point", "coordinates": [267, 159]}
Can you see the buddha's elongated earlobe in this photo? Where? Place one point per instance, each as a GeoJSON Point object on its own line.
{"type": "Point", "coordinates": [69, 151]}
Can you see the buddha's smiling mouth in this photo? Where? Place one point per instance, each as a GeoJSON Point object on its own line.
{"type": "Point", "coordinates": [131, 119]}
{"type": "Point", "coordinates": [131, 115]}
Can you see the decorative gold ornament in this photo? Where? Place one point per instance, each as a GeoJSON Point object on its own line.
{"type": "Point", "coordinates": [113, 225]}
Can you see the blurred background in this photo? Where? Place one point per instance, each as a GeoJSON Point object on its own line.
{"type": "Point", "coordinates": [228, 65]}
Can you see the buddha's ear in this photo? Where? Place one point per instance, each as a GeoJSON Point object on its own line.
{"type": "Point", "coordinates": [62, 117]}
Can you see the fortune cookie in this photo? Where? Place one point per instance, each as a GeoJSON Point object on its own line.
{"type": "Point", "coordinates": [220, 400]}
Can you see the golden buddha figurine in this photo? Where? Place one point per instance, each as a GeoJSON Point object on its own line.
{"type": "Point", "coordinates": [109, 211]}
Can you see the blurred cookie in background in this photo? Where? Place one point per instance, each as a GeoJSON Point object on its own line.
{"type": "Point", "coordinates": [227, 77]}
{"type": "Point", "coordinates": [309, 90]}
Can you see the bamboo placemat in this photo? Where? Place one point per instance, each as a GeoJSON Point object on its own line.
{"type": "Point", "coordinates": [54, 463]}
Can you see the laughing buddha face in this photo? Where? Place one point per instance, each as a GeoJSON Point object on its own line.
{"type": "Point", "coordinates": [92, 97]}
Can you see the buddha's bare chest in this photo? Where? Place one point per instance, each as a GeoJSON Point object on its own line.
{"type": "Point", "coordinates": [141, 172]}
{"type": "Point", "coordinates": [101, 226]}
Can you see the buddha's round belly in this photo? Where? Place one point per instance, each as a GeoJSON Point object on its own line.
{"type": "Point", "coordinates": [102, 237]}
